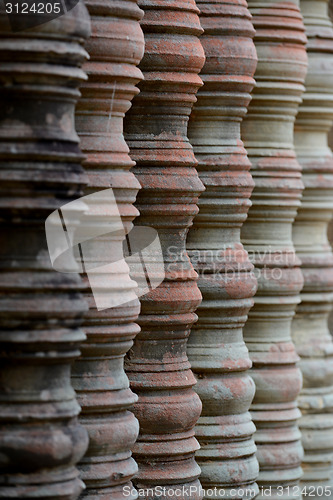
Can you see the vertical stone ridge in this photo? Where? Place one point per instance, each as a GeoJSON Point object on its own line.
{"type": "Point", "coordinates": [216, 349]}
{"type": "Point", "coordinates": [115, 48]}
{"type": "Point", "coordinates": [267, 132]}
{"type": "Point", "coordinates": [156, 131]}
{"type": "Point", "coordinates": [310, 329]}
{"type": "Point", "coordinates": [40, 310]}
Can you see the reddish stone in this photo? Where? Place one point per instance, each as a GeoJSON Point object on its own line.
{"type": "Point", "coordinates": [40, 309]}
{"type": "Point", "coordinates": [115, 47]}
{"type": "Point", "coordinates": [216, 348]}
{"type": "Point", "coordinates": [156, 131]}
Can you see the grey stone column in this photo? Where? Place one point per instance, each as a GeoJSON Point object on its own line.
{"type": "Point", "coordinates": [41, 310]}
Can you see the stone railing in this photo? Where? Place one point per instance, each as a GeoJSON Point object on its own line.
{"type": "Point", "coordinates": [206, 96]}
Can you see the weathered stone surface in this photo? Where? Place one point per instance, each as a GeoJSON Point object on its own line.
{"type": "Point", "coordinates": [267, 133]}
{"type": "Point", "coordinates": [115, 48]}
{"type": "Point", "coordinates": [330, 143]}
{"type": "Point", "coordinates": [40, 309]}
{"type": "Point", "coordinates": [216, 348]}
{"type": "Point", "coordinates": [310, 328]}
{"type": "Point", "coordinates": [156, 131]}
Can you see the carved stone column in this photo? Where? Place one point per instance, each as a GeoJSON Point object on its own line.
{"type": "Point", "coordinates": [310, 328]}
{"type": "Point", "coordinates": [156, 131]}
{"type": "Point", "coordinates": [40, 309]}
{"type": "Point", "coordinates": [216, 348]}
{"type": "Point", "coordinates": [115, 48]}
{"type": "Point", "coordinates": [267, 133]}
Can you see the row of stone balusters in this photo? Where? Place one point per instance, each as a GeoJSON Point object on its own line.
{"type": "Point", "coordinates": [41, 310]}
{"type": "Point", "coordinates": [156, 130]}
{"type": "Point", "coordinates": [216, 348]}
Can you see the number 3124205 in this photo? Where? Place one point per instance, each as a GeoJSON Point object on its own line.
{"type": "Point", "coordinates": [34, 8]}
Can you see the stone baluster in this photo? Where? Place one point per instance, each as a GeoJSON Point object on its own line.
{"type": "Point", "coordinates": [310, 326]}
{"type": "Point", "coordinates": [330, 143]}
{"type": "Point", "coordinates": [216, 350]}
{"type": "Point", "coordinates": [115, 48]}
{"type": "Point", "coordinates": [40, 309]}
{"type": "Point", "coordinates": [156, 132]}
{"type": "Point", "coordinates": [267, 133]}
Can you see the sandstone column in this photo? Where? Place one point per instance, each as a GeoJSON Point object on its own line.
{"type": "Point", "coordinates": [156, 131]}
{"type": "Point", "coordinates": [216, 348]}
{"type": "Point", "coordinates": [115, 48]}
{"type": "Point", "coordinates": [310, 326]}
{"type": "Point", "coordinates": [40, 309]}
{"type": "Point", "coordinates": [267, 133]}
